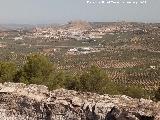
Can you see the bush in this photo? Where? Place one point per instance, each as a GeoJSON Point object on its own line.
{"type": "Point", "coordinates": [56, 80]}
{"type": "Point", "coordinates": [7, 71]}
{"type": "Point", "coordinates": [134, 92]}
{"type": "Point", "coordinates": [37, 69]}
{"type": "Point", "coordinates": [18, 76]}
{"type": "Point", "coordinates": [157, 94]}
{"type": "Point", "coordinates": [72, 82]}
{"type": "Point", "coordinates": [94, 80]}
{"type": "Point", "coordinates": [112, 88]}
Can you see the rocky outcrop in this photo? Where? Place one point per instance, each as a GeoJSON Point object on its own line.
{"type": "Point", "coordinates": [34, 102]}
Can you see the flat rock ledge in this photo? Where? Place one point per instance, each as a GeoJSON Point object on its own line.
{"type": "Point", "coordinates": [34, 102]}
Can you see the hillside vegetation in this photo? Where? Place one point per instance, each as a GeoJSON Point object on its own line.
{"type": "Point", "coordinates": [38, 69]}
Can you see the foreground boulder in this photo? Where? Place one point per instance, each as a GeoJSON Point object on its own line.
{"type": "Point", "coordinates": [34, 102]}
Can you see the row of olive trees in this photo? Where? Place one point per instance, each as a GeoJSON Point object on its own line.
{"type": "Point", "coordinates": [39, 70]}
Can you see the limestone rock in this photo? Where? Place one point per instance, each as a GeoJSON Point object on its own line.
{"type": "Point", "coordinates": [34, 102]}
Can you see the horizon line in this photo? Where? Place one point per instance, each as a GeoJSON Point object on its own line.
{"type": "Point", "coordinates": [61, 23]}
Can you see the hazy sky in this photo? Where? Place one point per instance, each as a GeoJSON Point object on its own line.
{"type": "Point", "coordinates": [60, 11]}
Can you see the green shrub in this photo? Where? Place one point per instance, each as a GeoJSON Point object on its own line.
{"type": "Point", "coordinates": [37, 69]}
{"type": "Point", "coordinates": [72, 82]}
{"type": "Point", "coordinates": [56, 80]}
{"type": "Point", "coordinates": [7, 71]}
{"type": "Point", "coordinates": [134, 92]}
{"type": "Point", "coordinates": [112, 88]}
{"type": "Point", "coordinates": [94, 80]}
